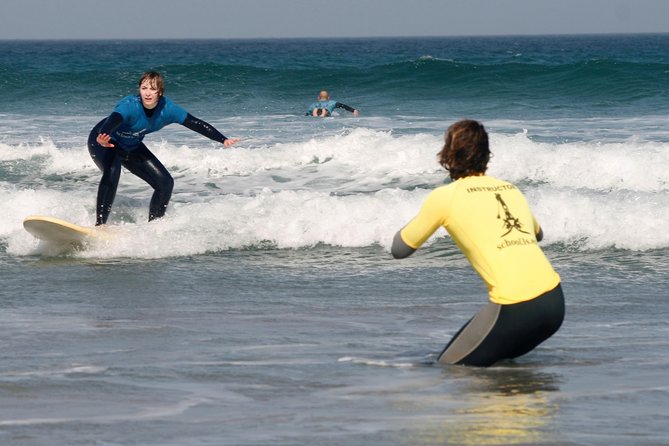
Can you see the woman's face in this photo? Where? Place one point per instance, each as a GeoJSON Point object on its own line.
{"type": "Point", "coordinates": [149, 94]}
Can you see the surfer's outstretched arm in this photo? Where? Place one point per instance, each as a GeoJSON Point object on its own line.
{"type": "Point", "coordinates": [347, 108]}
{"type": "Point", "coordinates": [208, 130]}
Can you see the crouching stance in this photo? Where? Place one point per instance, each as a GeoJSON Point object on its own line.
{"type": "Point", "coordinates": [491, 222]}
{"type": "Point", "coordinates": [117, 141]}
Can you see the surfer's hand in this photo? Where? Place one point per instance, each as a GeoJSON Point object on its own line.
{"type": "Point", "coordinates": [356, 113]}
{"type": "Point", "coordinates": [103, 139]}
{"type": "Point", "coordinates": [230, 142]}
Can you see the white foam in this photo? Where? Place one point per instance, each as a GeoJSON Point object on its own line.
{"type": "Point", "coordinates": [376, 362]}
{"type": "Point", "coordinates": [362, 152]}
{"type": "Point", "coordinates": [142, 413]}
{"type": "Point", "coordinates": [626, 220]}
{"type": "Point", "coordinates": [591, 195]}
{"type": "Point", "coordinates": [301, 219]}
{"type": "Point", "coordinates": [19, 203]}
{"type": "Point", "coordinates": [630, 165]}
{"type": "Point", "coordinates": [74, 369]}
{"type": "Point", "coordinates": [371, 157]}
{"type": "Point", "coordinates": [286, 219]}
{"type": "Point", "coordinates": [48, 157]}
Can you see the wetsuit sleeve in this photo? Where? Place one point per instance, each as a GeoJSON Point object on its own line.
{"type": "Point", "coordinates": [345, 107]}
{"type": "Point", "coordinates": [112, 123]}
{"type": "Point", "coordinates": [537, 230]}
{"type": "Point", "coordinates": [203, 128]}
{"type": "Point", "coordinates": [429, 219]}
{"type": "Point", "coordinates": [540, 234]}
{"type": "Point", "coordinates": [400, 250]}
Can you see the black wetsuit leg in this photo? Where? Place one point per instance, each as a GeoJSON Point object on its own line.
{"type": "Point", "coordinates": [506, 331]}
{"type": "Point", "coordinates": [145, 165]}
{"type": "Point", "coordinates": [108, 161]}
{"type": "Point", "coordinates": [541, 318]}
{"type": "Point", "coordinates": [140, 162]}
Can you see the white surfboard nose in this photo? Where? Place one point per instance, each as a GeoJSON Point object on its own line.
{"type": "Point", "coordinates": [55, 230]}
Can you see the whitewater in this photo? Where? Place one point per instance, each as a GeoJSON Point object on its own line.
{"type": "Point", "coordinates": [350, 189]}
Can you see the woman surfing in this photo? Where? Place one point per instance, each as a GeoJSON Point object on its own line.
{"type": "Point", "coordinates": [117, 141]}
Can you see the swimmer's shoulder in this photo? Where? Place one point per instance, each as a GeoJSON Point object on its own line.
{"type": "Point", "coordinates": [129, 105]}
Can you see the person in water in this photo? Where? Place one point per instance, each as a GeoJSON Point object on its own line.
{"type": "Point", "coordinates": [117, 141]}
{"type": "Point", "coordinates": [491, 222]}
{"type": "Point", "coordinates": [324, 106]}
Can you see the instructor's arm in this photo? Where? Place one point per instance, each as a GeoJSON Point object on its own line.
{"type": "Point", "coordinates": [540, 234]}
{"type": "Point", "coordinates": [400, 249]}
{"type": "Point", "coordinates": [418, 230]}
{"type": "Point", "coordinates": [538, 231]}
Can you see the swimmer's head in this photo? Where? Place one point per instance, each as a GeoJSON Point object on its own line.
{"type": "Point", "coordinates": [466, 151]}
{"type": "Point", "coordinates": [324, 96]}
{"type": "Point", "coordinates": [154, 79]}
{"type": "Point", "coordinates": [151, 88]}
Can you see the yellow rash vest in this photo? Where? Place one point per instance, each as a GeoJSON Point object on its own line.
{"type": "Point", "coordinates": [491, 222]}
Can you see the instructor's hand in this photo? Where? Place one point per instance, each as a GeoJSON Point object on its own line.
{"type": "Point", "coordinates": [230, 142]}
{"type": "Point", "coordinates": [104, 140]}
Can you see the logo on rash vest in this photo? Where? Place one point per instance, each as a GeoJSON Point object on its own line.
{"type": "Point", "coordinates": [499, 188]}
{"type": "Point", "coordinates": [129, 134]}
{"type": "Point", "coordinates": [510, 224]}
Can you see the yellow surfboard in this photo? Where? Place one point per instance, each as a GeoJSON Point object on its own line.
{"type": "Point", "coordinates": [58, 231]}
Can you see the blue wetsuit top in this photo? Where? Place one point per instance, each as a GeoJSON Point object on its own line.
{"type": "Point", "coordinates": [130, 121]}
{"type": "Point", "coordinates": [329, 106]}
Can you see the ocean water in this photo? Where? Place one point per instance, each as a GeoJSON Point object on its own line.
{"type": "Point", "coordinates": [265, 307]}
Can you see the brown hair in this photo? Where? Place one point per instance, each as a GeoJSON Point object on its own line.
{"type": "Point", "coordinates": [466, 151]}
{"type": "Point", "coordinates": [155, 80]}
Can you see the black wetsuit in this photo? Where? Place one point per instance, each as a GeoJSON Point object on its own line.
{"type": "Point", "coordinates": [345, 107]}
{"type": "Point", "coordinates": [140, 161]}
{"type": "Point", "coordinates": [500, 332]}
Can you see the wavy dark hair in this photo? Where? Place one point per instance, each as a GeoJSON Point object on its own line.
{"type": "Point", "coordinates": [466, 151]}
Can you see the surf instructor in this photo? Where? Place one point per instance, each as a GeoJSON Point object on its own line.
{"type": "Point", "coordinates": [117, 141]}
{"type": "Point", "coordinates": [491, 222]}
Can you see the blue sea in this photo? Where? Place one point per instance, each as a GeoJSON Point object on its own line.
{"type": "Point", "coordinates": [265, 308]}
